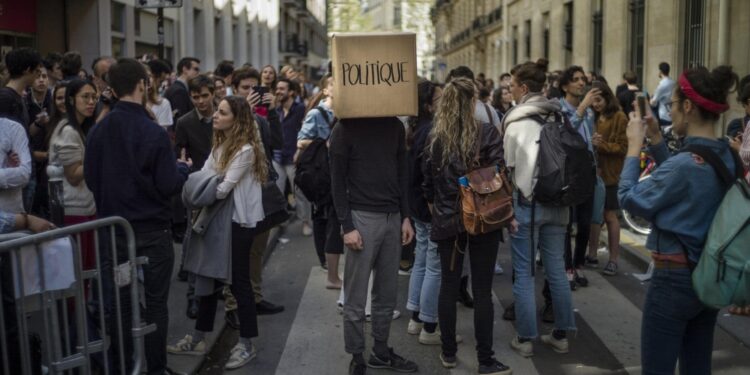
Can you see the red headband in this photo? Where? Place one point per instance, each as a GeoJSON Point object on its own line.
{"type": "Point", "coordinates": [700, 101]}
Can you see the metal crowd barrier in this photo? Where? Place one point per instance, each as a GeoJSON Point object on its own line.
{"type": "Point", "coordinates": [68, 317]}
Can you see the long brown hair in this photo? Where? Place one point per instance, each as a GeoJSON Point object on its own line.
{"type": "Point", "coordinates": [320, 96]}
{"type": "Point", "coordinates": [455, 127]}
{"type": "Point", "coordinates": [243, 131]}
{"type": "Point", "coordinates": [613, 105]}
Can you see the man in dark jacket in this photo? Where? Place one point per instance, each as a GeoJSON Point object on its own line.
{"type": "Point", "coordinates": [369, 183]}
{"type": "Point", "coordinates": [178, 94]}
{"type": "Point", "coordinates": [130, 168]}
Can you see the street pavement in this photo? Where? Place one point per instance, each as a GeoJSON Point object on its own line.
{"type": "Point", "coordinates": [307, 337]}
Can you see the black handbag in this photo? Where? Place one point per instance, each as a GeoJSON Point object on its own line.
{"type": "Point", "coordinates": [274, 206]}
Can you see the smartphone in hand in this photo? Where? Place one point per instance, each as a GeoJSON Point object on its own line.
{"type": "Point", "coordinates": [642, 102]}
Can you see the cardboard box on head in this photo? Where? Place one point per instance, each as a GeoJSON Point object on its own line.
{"type": "Point", "coordinates": [374, 74]}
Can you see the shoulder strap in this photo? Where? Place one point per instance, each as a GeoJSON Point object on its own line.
{"type": "Point", "coordinates": [714, 161]}
{"type": "Point", "coordinates": [489, 114]}
{"type": "Point", "coordinates": [324, 113]}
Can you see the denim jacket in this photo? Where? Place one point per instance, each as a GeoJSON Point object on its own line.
{"type": "Point", "coordinates": [680, 198]}
{"type": "Point", "coordinates": [315, 124]}
{"type": "Point", "coordinates": [584, 125]}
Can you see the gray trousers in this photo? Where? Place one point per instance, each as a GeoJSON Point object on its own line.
{"type": "Point", "coordinates": [381, 235]}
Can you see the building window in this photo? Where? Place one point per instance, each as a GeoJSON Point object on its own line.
{"type": "Point", "coordinates": [637, 26]}
{"type": "Point", "coordinates": [515, 45]}
{"type": "Point", "coordinates": [527, 39]}
{"type": "Point", "coordinates": [118, 17]}
{"type": "Point", "coordinates": [568, 27]}
{"type": "Point", "coordinates": [137, 22]}
{"type": "Point", "coordinates": [598, 37]}
{"type": "Point", "coordinates": [397, 16]}
{"type": "Point", "coordinates": [694, 30]}
{"type": "Point", "coordinates": [118, 47]}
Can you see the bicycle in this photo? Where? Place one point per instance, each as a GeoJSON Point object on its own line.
{"type": "Point", "coordinates": [637, 223]}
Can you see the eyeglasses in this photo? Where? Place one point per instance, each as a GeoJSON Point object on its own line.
{"type": "Point", "coordinates": [88, 97]}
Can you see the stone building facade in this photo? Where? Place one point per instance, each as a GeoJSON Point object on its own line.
{"type": "Point", "coordinates": [608, 37]}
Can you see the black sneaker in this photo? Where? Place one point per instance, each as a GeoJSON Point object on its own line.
{"type": "Point", "coordinates": [357, 368]}
{"type": "Point", "coordinates": [548, 313]}
{"type": "Point", "coordinates": [510, 312]}
{"type": "Point", "coordinates": [592, 262]}
{"type": "Point", "coordinates": [267, 308]}
{"type": "Point", "coordinates": [581, 278]}
{"type": "Point", "coordinates": [448, 361]}
{"type": "Point", "coordinates": [395, 363]}
{"type": "Point", "coordinates": [192, 308]}
{"type": "Point", "coordinates": [232, 318]}
{"type": "Point", "coordinates": [496, 368]}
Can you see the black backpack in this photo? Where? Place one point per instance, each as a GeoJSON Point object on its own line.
{"type": "Point", "coordinates": [566, 166]}
{"type": "Point", "coordinates": [313, 173]}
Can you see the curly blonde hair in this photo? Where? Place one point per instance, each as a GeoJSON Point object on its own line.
{"type": "Point", "coordinates": [455, 128]}
{"type": "Point", "coordinates": [244, 131]}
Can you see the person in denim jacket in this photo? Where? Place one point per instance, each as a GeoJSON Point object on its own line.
{"type": "Point", "coordinates": [521, 148]}
{"type": "Point", "coordinates": [680, 199]}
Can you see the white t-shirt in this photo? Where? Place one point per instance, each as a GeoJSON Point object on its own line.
{"type": "Point", "coordinates": [163, 113]}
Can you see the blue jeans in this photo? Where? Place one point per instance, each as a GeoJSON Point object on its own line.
{"type": "Point", "coordinates": [549, 237]}
{"type": "Point", "coordinates": [676, 325]}
{"type": "Point", "coordinates": [424, 283]}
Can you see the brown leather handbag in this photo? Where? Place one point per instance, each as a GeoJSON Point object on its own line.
{"type": "Point", "coordinates": [487, 201]}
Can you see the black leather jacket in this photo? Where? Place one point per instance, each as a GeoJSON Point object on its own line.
{"type": "Point", "coordinates": [441, 183]}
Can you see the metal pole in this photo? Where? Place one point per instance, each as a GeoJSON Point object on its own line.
{"type": "Point", "coordinates": [160, 30]}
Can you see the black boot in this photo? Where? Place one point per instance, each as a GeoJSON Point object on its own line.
{"type": "Point", "coordinates": [463, 294]}
{"type": "Point", "coordinates": [192, 308]}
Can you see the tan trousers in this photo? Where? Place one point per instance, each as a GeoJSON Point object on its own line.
{"type": "Point", "coordinates": [256, 271]}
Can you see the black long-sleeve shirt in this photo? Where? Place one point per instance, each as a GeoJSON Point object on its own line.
{"type": "Point", "coordinates": [368, 168]}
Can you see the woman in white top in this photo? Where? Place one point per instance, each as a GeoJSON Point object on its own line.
{"type": "Point", "coordinates": [238, 155]}
{"type": "Point", "coordinates": [159, 106]}
{"type": "Point", "coordinates": [67, 146]}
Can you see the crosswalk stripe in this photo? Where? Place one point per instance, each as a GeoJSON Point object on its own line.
{"type": "Point", "coordinates": [503, 331]}
{"type": "Point", "coordinates": [310, 347]}
{"type": "Point", "coordinates": [606, 310]}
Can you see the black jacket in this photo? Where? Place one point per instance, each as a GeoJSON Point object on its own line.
{"type": "Point", "coordinates": [131, 169]}
{"type": "Point", "coordinates": [179, 98]}
{"type": "Point", "coordinates": [441, 183]}
{"type": "Point", "coordinates": [417, 201]}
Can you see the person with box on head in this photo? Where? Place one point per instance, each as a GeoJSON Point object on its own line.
{"type": "Point", "coordinates": [369, 184]}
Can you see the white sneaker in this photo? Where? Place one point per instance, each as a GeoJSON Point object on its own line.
{"type": "Point", "coordinates": [498, 269]}
{"type": "Point", "coordinates": [524, 349]}
{"type": "Point", "coordinates": [240, 356]}
{"type": "Point", "coordinates": [414, 327]}
{"type": "Point", "coordinates": [426, 338]}
{"type": "Point", "coordinates": [306, 230]}
{"type": "Point", "coordinates": [559, 346]}
{"type": "Point", "coordinates": [186, 346]}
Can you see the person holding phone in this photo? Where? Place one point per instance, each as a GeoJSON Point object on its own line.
{"type": "Point", "coordinates": [577, 107]}
{"type": "Point", "coordinates": [679, 198]}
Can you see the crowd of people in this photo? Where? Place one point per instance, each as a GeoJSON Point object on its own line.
{"type": "Point", "coordinates": [215, 161]}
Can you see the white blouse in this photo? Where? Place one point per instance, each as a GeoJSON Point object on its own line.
{"type": "Point", "coordinates": [241, 182]}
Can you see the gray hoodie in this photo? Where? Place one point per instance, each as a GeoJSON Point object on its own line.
{"type": "Point", "coordinates": [521, 139]}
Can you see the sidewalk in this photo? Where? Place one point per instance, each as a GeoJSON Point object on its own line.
{"type": "Point", "coordinates": [179, 324]}
{"type": "Point", "coordinates": [634, 250]}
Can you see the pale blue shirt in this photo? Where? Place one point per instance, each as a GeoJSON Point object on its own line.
{"type": "Point", "coordinates": [663, 96]}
